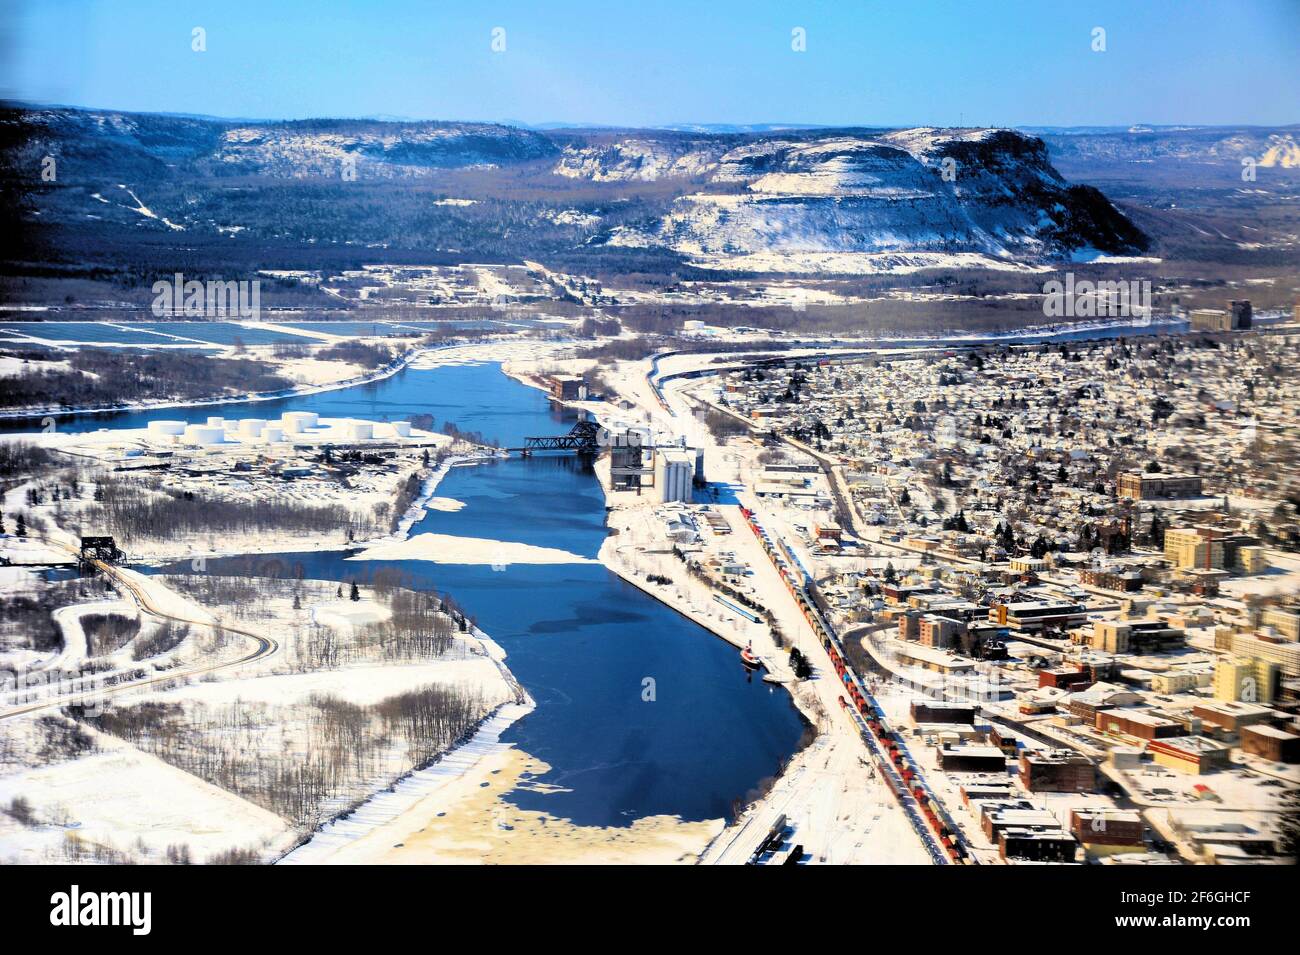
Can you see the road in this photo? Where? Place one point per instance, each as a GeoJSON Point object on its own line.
{"type": "Point", "coordinates": [263, 646]}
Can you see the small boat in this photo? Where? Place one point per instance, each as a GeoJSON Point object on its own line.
{"type": "Point", "coordinates": [749, 658]}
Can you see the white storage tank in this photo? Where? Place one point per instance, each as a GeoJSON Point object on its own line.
{"type": "Point", "coordinates": [402, 429]}
{"type": "Point", "coordinates": [162, 429]}
{"type": "Point", "coordinates": [202, 434]}
{"type": "Point", "coordinates": [251, 427]}
{"type": "Point", "coordinates": [273, 434]}
{"type": "Point", "coordinates": [360, 430]}
{"type": "Point", "coordinates": [298, 421]}
{"type": "Point", "coordinates": [217, 422]}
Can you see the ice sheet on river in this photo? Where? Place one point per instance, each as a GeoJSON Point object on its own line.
{"type": "Point", "coordinates": [448, 549]}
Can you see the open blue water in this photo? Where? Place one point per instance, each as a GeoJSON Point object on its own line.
{"type": "Point", "coordinates": [580, 639]}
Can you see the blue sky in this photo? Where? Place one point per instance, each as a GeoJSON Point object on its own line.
{"type": "Point", "coordinates": [867, 62]}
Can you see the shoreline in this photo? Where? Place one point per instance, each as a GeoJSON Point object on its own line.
{"type": "Point", "coordinates": [802, 703]}
{"type": "Point", "coordinates": [464, 762]}
{"type": "Point", "coordinates": [300, 391]}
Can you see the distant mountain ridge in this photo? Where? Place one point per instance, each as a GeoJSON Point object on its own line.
{"type": "Point", "coordinates": [756, 197]}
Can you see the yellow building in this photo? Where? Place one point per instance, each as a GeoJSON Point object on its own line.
{"type": "Point", "coordinates": [1286, 621]}
{"type": "Point", "coordinates": [1252, 560]}
{"type": "Point", "coordinates": [1210, 320]}
{"type": "Point", "coordinates": [1187, 549]}
{"type": "Point", "coordinates": [1245, 680]}
{"type": "Point", "coordinates": [1134, 636]}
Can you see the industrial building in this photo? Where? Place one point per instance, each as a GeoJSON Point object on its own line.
{"type": "Point", "coordinates": [1191, 754]}
{"type": "Point", "coordinates": [1138, 723]}
{"type": "Point", "coordinates": [568, 388]}
{"type": "Point", "coordinates": [674, 474]}
{"type": "Point", "coordinates": [1047, 844]}
{"type": "Point", "coordinates": [926, 712]}
{"type": "Point", "coordinates": [1238, 316]}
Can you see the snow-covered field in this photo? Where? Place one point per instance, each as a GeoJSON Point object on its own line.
{"type": "Point", "coordinates": [84, 791]}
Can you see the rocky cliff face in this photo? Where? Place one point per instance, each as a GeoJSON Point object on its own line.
{"type": "Point", "coordinates": [906, 198]}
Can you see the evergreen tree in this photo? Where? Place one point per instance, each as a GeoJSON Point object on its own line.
{"type": "Point", "coordinates": [800, 665]}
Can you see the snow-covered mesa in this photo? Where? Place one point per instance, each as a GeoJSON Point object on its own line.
{"type": "Point", "coordinates": [972, 198]}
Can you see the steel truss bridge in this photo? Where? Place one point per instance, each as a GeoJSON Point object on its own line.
{"type": "Point", "coordinates": [583, 437]}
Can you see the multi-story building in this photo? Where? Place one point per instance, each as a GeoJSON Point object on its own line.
{"type": "Point", "coordinates": [965, 758]}
{"type": "Point", "coordinates": [1210, 320]}
{"type": "Point", "coordinates": [1135, 636]}
{"type": "Point", "coordinates": [1139, 724]}
{"type": "Point", "coordinates": [1245, 679]}
{"type": "Point", "coordinates": [1284, 620]}
{"type": "Point", "coordinates": [940, 632]}
{"type": "Point", "coordinates": [1057, 771]}
{"type": "Point", "coordinates": [1125, 581]}
{"type": "Point", "coordinates": [1264, 645]}
{"type": "Point", "coordinates": [909, 625]}
{"type": "Point", "coordinates": [1037, 844]}
{"type": "Point", "coordinates": [1145, 487]}
{"type": "Point", "coordinates": [1252, 559]}
{"type": "Point", "coordinates": [1180, 681]}
{"type": "Point", "coordinates": [1034, 615]}
{"type": "Point", "coordinates": [1236, 317]}
{"type": "Point", "coordinates": [1105, 830]}
{"type": "Point", "coordinates": [1207, 548]}
{"type": "Point", "coordinates": [567, 387]}
{"type": "Point", "coordinates": [1231, 716]}
{"type": "Point", "coordinates": [1188, 548]}
{"type": "Point", "coordinates": [923, 711]}
{"type": "Point", "coordinates": [1242, 314]}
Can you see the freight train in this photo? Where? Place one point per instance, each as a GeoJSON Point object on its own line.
{"type": "Point", "coordinates": [898, 768]}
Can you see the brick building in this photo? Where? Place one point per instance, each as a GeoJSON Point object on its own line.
{"type": "Point", "coordinates": [1057, 771]}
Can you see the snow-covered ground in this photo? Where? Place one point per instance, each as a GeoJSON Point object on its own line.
{"type": "Point", "coordinates": [105, 792]}
{"type": "Point", "coordinates": [447, 549]}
